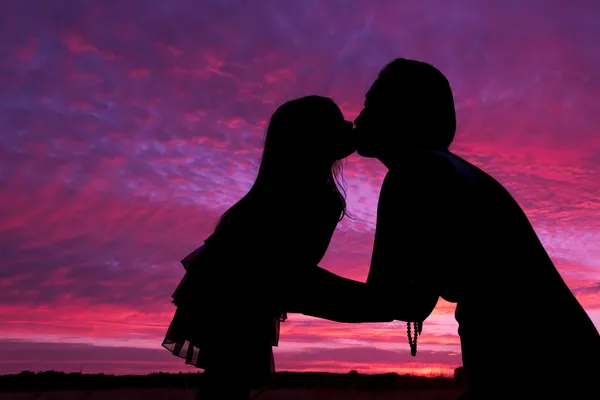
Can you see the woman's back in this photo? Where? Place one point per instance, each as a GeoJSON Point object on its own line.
{"type": "Point", "coordinates": [517, 317]}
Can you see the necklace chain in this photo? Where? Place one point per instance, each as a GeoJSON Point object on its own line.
{"type": "Point", "coordinates": [418, 328]}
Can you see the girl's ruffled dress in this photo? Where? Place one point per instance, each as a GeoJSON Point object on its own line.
{"type": "Point", "coordinates": [209, 330]}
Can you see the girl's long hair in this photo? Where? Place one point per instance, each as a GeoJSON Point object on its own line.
{"type": "Point", "coordinates": [295, 160]}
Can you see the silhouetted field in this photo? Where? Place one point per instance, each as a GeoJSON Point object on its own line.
{"type": "Point", "coordinates": [280, 394]}
{"type": "Point", "coordinates": [282, 381]}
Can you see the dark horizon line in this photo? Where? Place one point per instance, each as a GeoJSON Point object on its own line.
{"type": "Point", "coordinates": [351, 372]}
{"type": "Point", "coordinates": [28, 381]}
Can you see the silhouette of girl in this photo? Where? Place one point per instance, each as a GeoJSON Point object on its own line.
{"type": "Point", "coordinates": [261, 260]}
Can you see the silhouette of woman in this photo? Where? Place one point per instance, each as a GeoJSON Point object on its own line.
{"type": "Point", "coordinates": [261, 260]}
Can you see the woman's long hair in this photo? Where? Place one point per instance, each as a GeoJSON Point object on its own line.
{"type": "Point", "coordinates": [298, 157]}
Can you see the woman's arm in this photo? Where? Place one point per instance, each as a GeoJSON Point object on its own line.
{"type": "Point", "coordinates": [415, 239]}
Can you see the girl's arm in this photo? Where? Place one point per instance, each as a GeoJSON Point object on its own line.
{"type": "Point", "coordinates": [322, 294]}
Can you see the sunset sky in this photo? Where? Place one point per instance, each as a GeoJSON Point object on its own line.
{"type": "Point", "coordinates": [128, 127]}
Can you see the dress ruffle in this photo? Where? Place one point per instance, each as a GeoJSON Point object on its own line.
{"type": "Point", "coordinates": [194, 332]}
